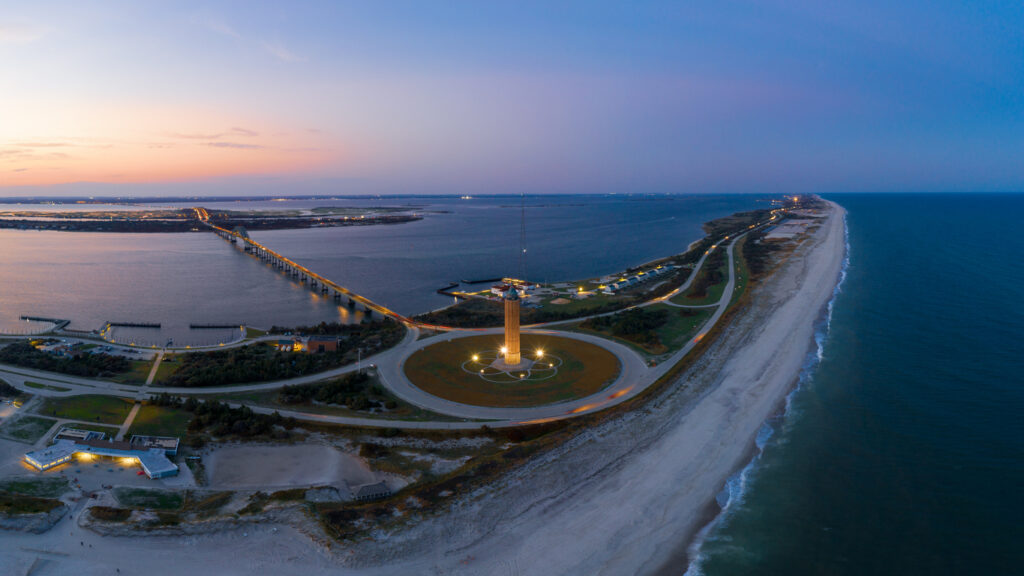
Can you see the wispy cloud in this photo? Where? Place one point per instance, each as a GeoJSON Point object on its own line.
{"type": "Point", "coordinates": [195, 135]}
{"type": "Point", "coordinates": [21, 33]}
{"type": "Point", "coordinates": [43, 144]}
{"type": "Point", "coordinates": [221, 28]}
{"type": "Point", "coordinates": [233, 131]}
{"type": "Point", "coordinates": [236, 145]}
{"type": "Point", "coordinates": [279, 50]}
{"type": "Point", "coordinates": [15, 153]}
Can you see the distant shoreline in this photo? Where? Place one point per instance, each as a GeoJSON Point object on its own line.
{"type": "Point", "coordinates": [143, 226]}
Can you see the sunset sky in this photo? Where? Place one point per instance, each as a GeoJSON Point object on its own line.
{"type": "Point", "coordinates": [143, 98]}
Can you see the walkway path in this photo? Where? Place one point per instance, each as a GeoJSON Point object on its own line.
{"type": "Point", "coordinates": [156, 365]}
{"type": "Point", "coordinates": [128, 421]}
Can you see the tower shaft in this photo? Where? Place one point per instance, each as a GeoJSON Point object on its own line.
{"type": "Point", "coordinates": [512, 356]}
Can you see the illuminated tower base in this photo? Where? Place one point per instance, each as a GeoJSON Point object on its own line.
{"type": "Point", "coordinates": [511, 349]}
{"type": "Point", "coordinates": [512, 357]}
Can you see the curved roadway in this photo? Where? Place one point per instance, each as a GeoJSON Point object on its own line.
{"type": "Point", "coordinates": [635, 375]}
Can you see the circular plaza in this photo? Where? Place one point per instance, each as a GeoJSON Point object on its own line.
{"type": "Point", "coordinates": [552, 369]}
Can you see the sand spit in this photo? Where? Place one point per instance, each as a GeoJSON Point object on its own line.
{"type": "Point", "coordinates": [626, 497]}
{"type": "Point", "coordinates": [621, 498]}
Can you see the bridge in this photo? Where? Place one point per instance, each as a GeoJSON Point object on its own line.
{"type": "Point", "coordinates": [293, 269]}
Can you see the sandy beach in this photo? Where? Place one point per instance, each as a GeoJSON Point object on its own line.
{"type": "Point", "coordinates": [628, 496]}
{"type": "Point", "coordinates": [625, 497]}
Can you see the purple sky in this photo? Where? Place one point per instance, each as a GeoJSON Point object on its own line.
{"type": "Point", "coordinates": [128, 98]}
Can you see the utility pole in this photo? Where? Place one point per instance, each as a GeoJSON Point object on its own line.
{"type": "Point", "coordinates": [522, 237]}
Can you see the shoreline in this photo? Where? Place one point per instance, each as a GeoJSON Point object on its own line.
{"type": "Point", "coordinates": [609, 483]}
{"type": "Point", "coordinates": [601, 503]}
{"type": "Point", "coordinates": [716, 512]}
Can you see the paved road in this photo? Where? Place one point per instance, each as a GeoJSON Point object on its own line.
{"type": "Point", "coordinates": [634, 378]}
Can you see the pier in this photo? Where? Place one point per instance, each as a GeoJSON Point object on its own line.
{"type": "Point", "coordinates": [134, 324]}
{"type": "Point", "coordinates": [58, 323]}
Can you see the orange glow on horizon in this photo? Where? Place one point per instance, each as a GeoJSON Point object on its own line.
{"type": "Point", "coordinates": [50, 144]}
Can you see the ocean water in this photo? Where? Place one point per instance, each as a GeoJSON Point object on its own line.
{"type": "Point", "coordinates": [902, 450]}
{"type": "Point", "coordinates": [180, 279]}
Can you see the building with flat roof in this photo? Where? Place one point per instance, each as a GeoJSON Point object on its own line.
{"type": "Point", "coordinates": [321, 344]}
{"type": "Point", "coordinates": [639, 277]}
{"type": "Point", "coordinates": [168, 444]}
{"type": "Point", "coordinates": [152, 457]}
{"type": "Point", "coordinates": [374, 491]}
{"type": "Point", "coordinates": [67, 433]}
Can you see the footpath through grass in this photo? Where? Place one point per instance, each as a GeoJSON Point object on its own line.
{"type": "Point", "coordinates": [137, 374]}
{"type": "Point", "coordinates": [153, 420]}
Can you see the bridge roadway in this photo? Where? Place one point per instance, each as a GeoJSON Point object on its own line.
{"type": "Point", "coordinates": [326, 283]}
{"type": "Point", "coordinates": [634, 378]}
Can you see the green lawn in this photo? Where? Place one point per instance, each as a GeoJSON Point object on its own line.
{"type": "Point", "coordinates": [167, 366]}
{"type": "Point", "coordinates": [28, 428]}
{"type": "Point", "coordinates": [90, 408]}
{"type": "Point", "coordinates": [683, 324]}
{"type": "Point", "coordinates": [714, 292]}
{"type": "Point", "coordinates": [742, 271]}
{"type": "Point", "coordinates": [447, 369]}
{"type": "Point", "coordinates": [138, 373]}
{"type": "Point", "coordinates": [160, 421]}
{"type": "Point", "coordinates": [39, 386]}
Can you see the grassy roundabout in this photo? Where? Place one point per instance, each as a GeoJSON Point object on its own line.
{"type": "Point", "coordinates": [447, 370]}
